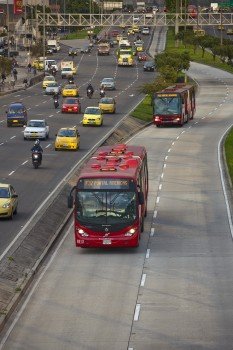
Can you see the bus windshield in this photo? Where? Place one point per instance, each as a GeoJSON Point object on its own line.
{"type": "Point", "coordinates": [106, 207]}
{"type": "Point", "coordinates": [167, 105]}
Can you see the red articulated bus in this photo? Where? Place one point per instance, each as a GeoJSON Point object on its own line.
{"type": "Point", "coordinates": [110, 200]}
{"type": "Point", "coordinates": [174, 105]}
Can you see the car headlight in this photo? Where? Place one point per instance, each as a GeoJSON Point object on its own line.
{"type": "Point", "coordinates": [130, 233]}
{"type": "Point", "coordinates": [6, 205]}
{"type": "Point", "coordinates": [83, 233]}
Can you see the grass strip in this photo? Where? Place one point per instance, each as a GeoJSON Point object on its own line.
{"type": "Point", "coordinates": [81, 34]}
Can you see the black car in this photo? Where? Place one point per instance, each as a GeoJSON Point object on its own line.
{"type": "Point", "coordinates": [73, 51]}
{"type": "Point", "coordinates": [149, 66]}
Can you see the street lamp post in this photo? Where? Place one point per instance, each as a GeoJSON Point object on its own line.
{"type": "Point", "coordinates": [8, 28]}
{"type": "Point", "coordinates": [44, 34]}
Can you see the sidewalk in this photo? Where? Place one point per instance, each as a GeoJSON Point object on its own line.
{"type": "Point", "coordinates": [23, 73]}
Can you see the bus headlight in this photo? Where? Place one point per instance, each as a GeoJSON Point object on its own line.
{"type": "Point", "coordinates": [130, 233]}
{"type": "Point", "coordinates": [82, 233]}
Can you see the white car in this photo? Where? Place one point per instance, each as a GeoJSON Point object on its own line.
{"type": "Point", "coordinates": [36, 129]}
{"type": "Point", "coordinates": [145, 31]}
{"type": "Point", "coordinates": [108, 84]}
{"type": "Point", "coordinates": [52, 88]}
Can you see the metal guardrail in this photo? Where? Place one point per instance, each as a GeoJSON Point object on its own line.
{"type": "Point", "coordinates": [158, 19]}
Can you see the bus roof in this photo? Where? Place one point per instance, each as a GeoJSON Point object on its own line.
{"type": "Point", "coordinates": [176, 89]}
{"type": "Point", "coordinates": [116, 161]}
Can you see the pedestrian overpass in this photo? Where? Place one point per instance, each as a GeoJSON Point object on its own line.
{"type": "Point", "coordinates": [125, 19]}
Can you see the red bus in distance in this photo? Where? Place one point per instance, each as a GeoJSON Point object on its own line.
{"type": "Point", "coordinates": [174, 105]}
{"type": "Point", "coordinates": [110, 197]}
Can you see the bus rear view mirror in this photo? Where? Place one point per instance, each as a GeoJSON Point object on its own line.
{"type": "Point", "coordinates": [141, 198]}
{"type": "Point", "coordinates": [70, 201]}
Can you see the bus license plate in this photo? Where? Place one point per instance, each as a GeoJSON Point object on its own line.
{"type": "Point", "coordinates": [107, 241]}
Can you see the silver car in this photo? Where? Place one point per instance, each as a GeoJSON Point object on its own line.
{"type": "Point", "coordinates": [36, 129]}
{"type": "Point", "coordinates": [53, 88]}
{"type": "Point", "coordinates": [108, 84]}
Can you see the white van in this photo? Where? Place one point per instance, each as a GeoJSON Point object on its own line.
{"type": "Point", "coordinates": [51, 64]}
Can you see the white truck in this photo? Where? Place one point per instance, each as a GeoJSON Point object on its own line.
{"type": "Point", "coordinates": [68, 69]}
{"type": "Point", "coordinates": [49, 64]}
{"type": "Point", "coordinates": [53, 44]}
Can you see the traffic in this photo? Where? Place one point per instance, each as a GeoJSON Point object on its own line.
{"type": "Point", "coordinates": [57, 102]}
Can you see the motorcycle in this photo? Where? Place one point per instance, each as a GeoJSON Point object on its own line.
{"type": "Point", "coordinates": [36, 159]}
{"type": "Point", "coordinates": [102, 93]}
{"type": "Point", "coordinates": [89, 93]}
{"type": "Point", "coordinates": [56, 103]}
{"type": "Point", "coordinates": [71, 80]}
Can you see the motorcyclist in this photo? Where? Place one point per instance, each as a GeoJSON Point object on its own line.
{"type": "Point", "coordinates": [37, 148]}
{"type": "Point", "coordinates": [71, 80]}
{"type": "Point", "coordinates": [56, 99]}
{"type": "Point", "coordinates": [90, 88]}
{"type": "Point", "coordinates": [102, 91]}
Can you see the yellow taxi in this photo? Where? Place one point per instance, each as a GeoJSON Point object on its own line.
{"type": "Point", "coordinates": [67, 138]}
{"type": "Point", "coordinates": [135, 28]}
{"type": "Point", "coordinates": [70, 90]}
{"type": "Point", "coordinates": [74, 69]}
{"type": "Point", "coordinates": [39, 65]}
{"type": "Point", "coordinates": [8, 201]}
{"type": "Point", "coordinates": [139, 45]}
{"type": "Point", "coordinates": [130, 31]}
{"type": "Point", "coordinates": [93, 116]}
{"type": "Point", "coordinates": [47, 80]}
{"type": "Point", "coordinates": [107, 105]}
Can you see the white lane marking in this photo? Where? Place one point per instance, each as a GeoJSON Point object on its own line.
{"type": "Point", "coordinates": [160, 187]}
{"type": "Point", "coordinates": [24, 162]}
{"type": "Point", "coordinates": [147, 253]}
{"type": "Point", "coordinates": [4, 105]}
{"type": "Point", "coordinates": [50, 116]}
{"type": "Point", "coordinates": [152, 232]}
{"type": "Point", "coordinates": [130, 348]}
{"type": "Point", "coordinates": [166, 157]}
{"type": "Point", "coordinates": [173, 143]}
{"type": "Point", "coordinates": [155, 214]}
{"type": "Point", "coordinates": [13, 137]}
{"type": "Point", "coordinates": [36, 105]}
{"type": "Point", "coordinates": [169, 150]}
{"type": "Point", "coordinates": [223, 181]}
{"type": "Point", "coordinates": [1, 143]}
{"type": "Point", "coordinates": [12, 172]}
{"type": "Point", "coordinates": [48, 145]}
{"type": "Point", "coordinates": [183, 131]}
{"type": "Point", "coordinates": [178, 137]}
{"type": "Point", "coordinates": [157, 200]}
{"type": "Point", "coordinates": [137, 312]}
{"type": "Point", "coordinates": [196, 123]}
{"type": "Point", "coordinates": [2, 121]}
{"type": "Point", "coordinates": [165, 165]}
{"type": "Point", "coordinates": [17, 95]}
{"type": "Point", "coordinates": [29, 108]}
{"type": "Point", "coordinates": [143, 280]}
{"type": "Point", "coordinates": [44, 101]}
{"type": "Point", "coordinates": [58, 112]}
{"type": "Point", "coordinates": [20, 312]}
{"type": "Point", "coordinates": [162, 176]}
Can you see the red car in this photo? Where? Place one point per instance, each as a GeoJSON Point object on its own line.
{"type": "Point", "coordinates": [71, 105]}
{"type": "Point", "coordinates": [142, 56]}
{"type": "Point", "coordinates": [114, 33]}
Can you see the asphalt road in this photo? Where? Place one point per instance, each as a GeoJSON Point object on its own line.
{"type": "Point", "coordinates": [173, 292]}
{"type": "Point", "coordinates": [34, 186]}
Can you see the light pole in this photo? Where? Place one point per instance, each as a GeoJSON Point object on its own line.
{"type": "Point", "coordinates": [8, 28]}
{"type": "Point", "coordinates": [44, 35]}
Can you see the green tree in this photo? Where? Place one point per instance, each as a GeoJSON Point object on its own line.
{"type": "Point", "coordinates": [5, 65]}
{"type": "Point", "coordinates": [37, 50]}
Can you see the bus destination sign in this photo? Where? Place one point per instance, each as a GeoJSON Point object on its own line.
{"type": "Point", "coordinates": [164, 94]}
{"type": "Point", "coordinates": [106, 184]}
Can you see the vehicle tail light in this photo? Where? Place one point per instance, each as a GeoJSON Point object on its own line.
{"type": "Point", "coordinates": [156, 118]}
